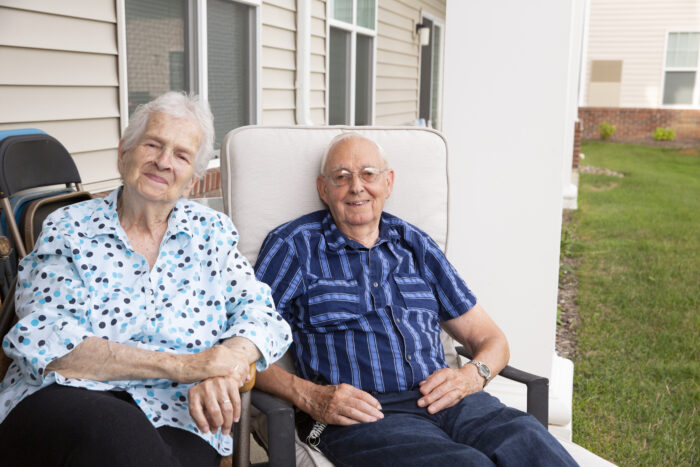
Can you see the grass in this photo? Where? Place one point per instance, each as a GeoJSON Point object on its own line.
{"type": "Point", "coordinates": [636, 383]}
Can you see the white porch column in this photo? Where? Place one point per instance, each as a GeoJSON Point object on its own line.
{"type": "Point", "coordinates": [509, 123]}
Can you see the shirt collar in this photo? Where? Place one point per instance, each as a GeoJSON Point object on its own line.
{"type": "Point", "coordinates": [335, 239]}
{"type": "Point", "coordinates": [104, 219]}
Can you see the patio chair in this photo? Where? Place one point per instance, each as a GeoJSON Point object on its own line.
{"type": "Point", "coordinates": [268, 177]}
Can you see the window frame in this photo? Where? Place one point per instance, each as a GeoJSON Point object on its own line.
{"type": "Point", "coordinates": [695, 102]}
{"type": "Point", "coordinates": [439, 22]}
{"type": "Point", "coordinates": [198, 66]}
{"type": "Point", "coordinates": [353, 29]}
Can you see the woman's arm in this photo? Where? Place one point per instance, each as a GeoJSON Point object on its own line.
{"type": "Point", "coordinates": [102, 360]}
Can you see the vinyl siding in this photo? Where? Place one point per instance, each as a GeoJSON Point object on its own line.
{"type": "Point", "coordinates": [60, 74]}
{"type": "Point", "coordinates": [318, 62]}
{"type": "Point", "coordinates": [278, 38]}
{"type": "Point", "coordinates": [635, 32]}
{"type": "Point", "coordinates": [398, 58]}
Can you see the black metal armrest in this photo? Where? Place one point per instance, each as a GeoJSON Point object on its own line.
{"type": "Point", "coordinates": [537, 389]}
{"type": "Point", "coordinates": [280, 428]}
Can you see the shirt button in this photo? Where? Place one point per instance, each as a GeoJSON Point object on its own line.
{"type": "Point", "coordinates": [398, 321]}
{"type": "Point", "coordinates": [376, 284]}
{"type": "Point", "coordinates": [150, 291]}
{"type": "Point", "coordinates": [408, 356]}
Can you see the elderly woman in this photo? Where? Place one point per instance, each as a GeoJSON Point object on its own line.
{"type": "Point", "coordinates": [138, 318]}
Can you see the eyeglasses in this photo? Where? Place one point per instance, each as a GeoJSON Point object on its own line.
{"type": "Point", "coordinates": [343, 177]}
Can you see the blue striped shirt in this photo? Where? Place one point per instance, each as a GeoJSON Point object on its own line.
{"type": "Point", "coordinates": [366, 317]}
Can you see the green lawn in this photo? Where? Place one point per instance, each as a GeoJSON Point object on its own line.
{"type": "Point", "coordinates": [636, 383]}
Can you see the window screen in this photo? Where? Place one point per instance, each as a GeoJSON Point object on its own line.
{"type": "Point", "coordinates": [157, 53]}
{"type": "Point", "coordinates": [230, 66]}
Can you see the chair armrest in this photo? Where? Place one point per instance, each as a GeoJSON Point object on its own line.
{"type": "Point", "coordinates": [280, 428]}
{"type": "Point", "coordinates": [537, 388]}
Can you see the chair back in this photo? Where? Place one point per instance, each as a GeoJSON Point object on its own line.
{"type": "Point", "coordinates": [268, 177]}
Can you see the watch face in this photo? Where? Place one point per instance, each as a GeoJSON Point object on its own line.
{"type": "Point", "coordinates": [483, 369]}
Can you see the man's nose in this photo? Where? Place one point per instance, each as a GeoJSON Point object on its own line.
{"type": "Point", "coordinates": [356, 184]}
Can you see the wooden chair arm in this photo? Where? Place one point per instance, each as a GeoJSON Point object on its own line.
{"type": "Point", "coordinates": [251, 382]}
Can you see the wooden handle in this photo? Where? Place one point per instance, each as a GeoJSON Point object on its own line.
{"type": "Point", "coordinates": [5, 247]}
{"type": "Point", "coordinates": [251, 382]}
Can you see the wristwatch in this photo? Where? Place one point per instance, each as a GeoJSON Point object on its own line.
{"type": "Point", "coordinates": [484, 370]}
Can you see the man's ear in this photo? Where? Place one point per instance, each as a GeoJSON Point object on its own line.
{"type": "Point", "coordinates": [322, 188]}
{"type": "Point", "coordinates": [389, 182]}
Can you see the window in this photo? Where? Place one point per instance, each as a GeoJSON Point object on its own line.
{"type": "Point", "coordinates": [681, 77]}
{"type": "Point", "coordinates": [351, 62]}
{"type": "Point", "coordinates": [430, 106]}
{"type": "Point", "coordinates": [206, 47]}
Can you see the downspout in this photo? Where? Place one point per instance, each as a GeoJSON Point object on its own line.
{"type": "Point", "coordinates": [303, 72]}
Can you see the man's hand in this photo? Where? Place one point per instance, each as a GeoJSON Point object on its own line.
{"type": "Point", "coordinates": [341, 405]}
{"type": "Point", "coordinates": [216, 402]}
{"type": "Point", "coordinates": [446, 387]}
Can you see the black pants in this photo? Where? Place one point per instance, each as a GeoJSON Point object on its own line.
{"type": "Point", "coordinates": [66, 426]}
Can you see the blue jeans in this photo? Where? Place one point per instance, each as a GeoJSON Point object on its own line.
{"type": "Point", "coordinates": [479, 430]}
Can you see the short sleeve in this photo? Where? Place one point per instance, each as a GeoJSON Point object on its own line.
{"type": "Point", "coordinates": [249, 306]}
{"type": "Point", "coordinates": [51, 304]}
{"type": "Point", "coordinates": [278, 266]}
{"type": "Point", "coordinates": [452, 292]}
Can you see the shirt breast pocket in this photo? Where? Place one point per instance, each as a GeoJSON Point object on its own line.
{"type": "Point", "coordinates": [334, 304]}
{"type": "Point", "coordinates": [416, 294]}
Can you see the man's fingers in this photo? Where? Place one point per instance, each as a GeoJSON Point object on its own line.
{"type": "Point", "coordinates": [447, 400]}
{"type": "Point", "coordinates": [356, 404]}
{"type": "Point", "coordinates": [429, 384]}
{"type": "Point", "coordinates": [367, 398]}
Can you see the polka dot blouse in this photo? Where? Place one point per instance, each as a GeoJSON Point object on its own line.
{"type": "Point", "coordinates": [84, 279]}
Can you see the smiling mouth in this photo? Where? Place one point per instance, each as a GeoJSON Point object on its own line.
{"type": "Point", "coordinates": [356, 203]}
{"type": "Point", "coordinates": [156, 178]}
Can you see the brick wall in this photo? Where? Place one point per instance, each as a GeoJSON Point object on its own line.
{"type": "Point", "coordinates": [209, 185]}
{"type": "Point", "coordinates": [638, 125]}
{"type": "Point", "coordinates": [577, 144]}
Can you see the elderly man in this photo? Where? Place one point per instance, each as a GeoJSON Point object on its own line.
{"type": "Point", "coordinates": [366, 294]}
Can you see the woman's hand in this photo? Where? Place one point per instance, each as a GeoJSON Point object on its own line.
{"type": "Point", "coordinates": [218, 361]}
{"type": "Point", "coordinates": [216, 403]}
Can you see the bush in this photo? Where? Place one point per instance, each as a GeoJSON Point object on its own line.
{"type": "Point", "coordinates": [606, 130]}
{"type": "Point", "coordinates": [664, 134]}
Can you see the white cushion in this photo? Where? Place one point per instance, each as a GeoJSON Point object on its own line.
{"type": "Point", "coordinates": [268, 177]}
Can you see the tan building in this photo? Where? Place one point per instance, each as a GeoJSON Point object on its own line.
{"type": "Point", "coordinates": [77, 68]}
{"type": "Point", "coordinates": [642, 68]}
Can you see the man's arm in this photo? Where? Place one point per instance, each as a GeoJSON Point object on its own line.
{"type": "Point", "coordinates": [477, 332]}
{"type": "Point", "coordinates": [336, 405]}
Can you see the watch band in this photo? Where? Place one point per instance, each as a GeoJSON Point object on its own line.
{"type": "Point", "coordinates": [483, 369]}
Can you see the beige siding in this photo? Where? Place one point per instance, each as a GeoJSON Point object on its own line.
{"type": "Point", "coordinates": [398, 58]}
{"type": "Point", "coordinates": [318, 62]}
{"type": "Point", "coordinates": [278, 38]}
{"type": "Point", "coordinates": [59, 73]}
{"type": "Point", "coordinates": [635, 32]}
{"type": "Point", "coordinates": [103, 133]}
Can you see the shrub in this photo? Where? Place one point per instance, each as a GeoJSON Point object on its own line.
{"type": "Point", "coordinates": [606, 130]}
{"type": "Point", "coordinates": [664, 134]}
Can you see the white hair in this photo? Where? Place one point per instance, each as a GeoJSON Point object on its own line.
{"type": "Point", "coordinates": [178, 105]}
{"type": "Point", "coordinates": [347, 135]}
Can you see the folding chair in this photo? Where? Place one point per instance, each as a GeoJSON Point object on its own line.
{"type": "Point", "coordinates": [37, 176]}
